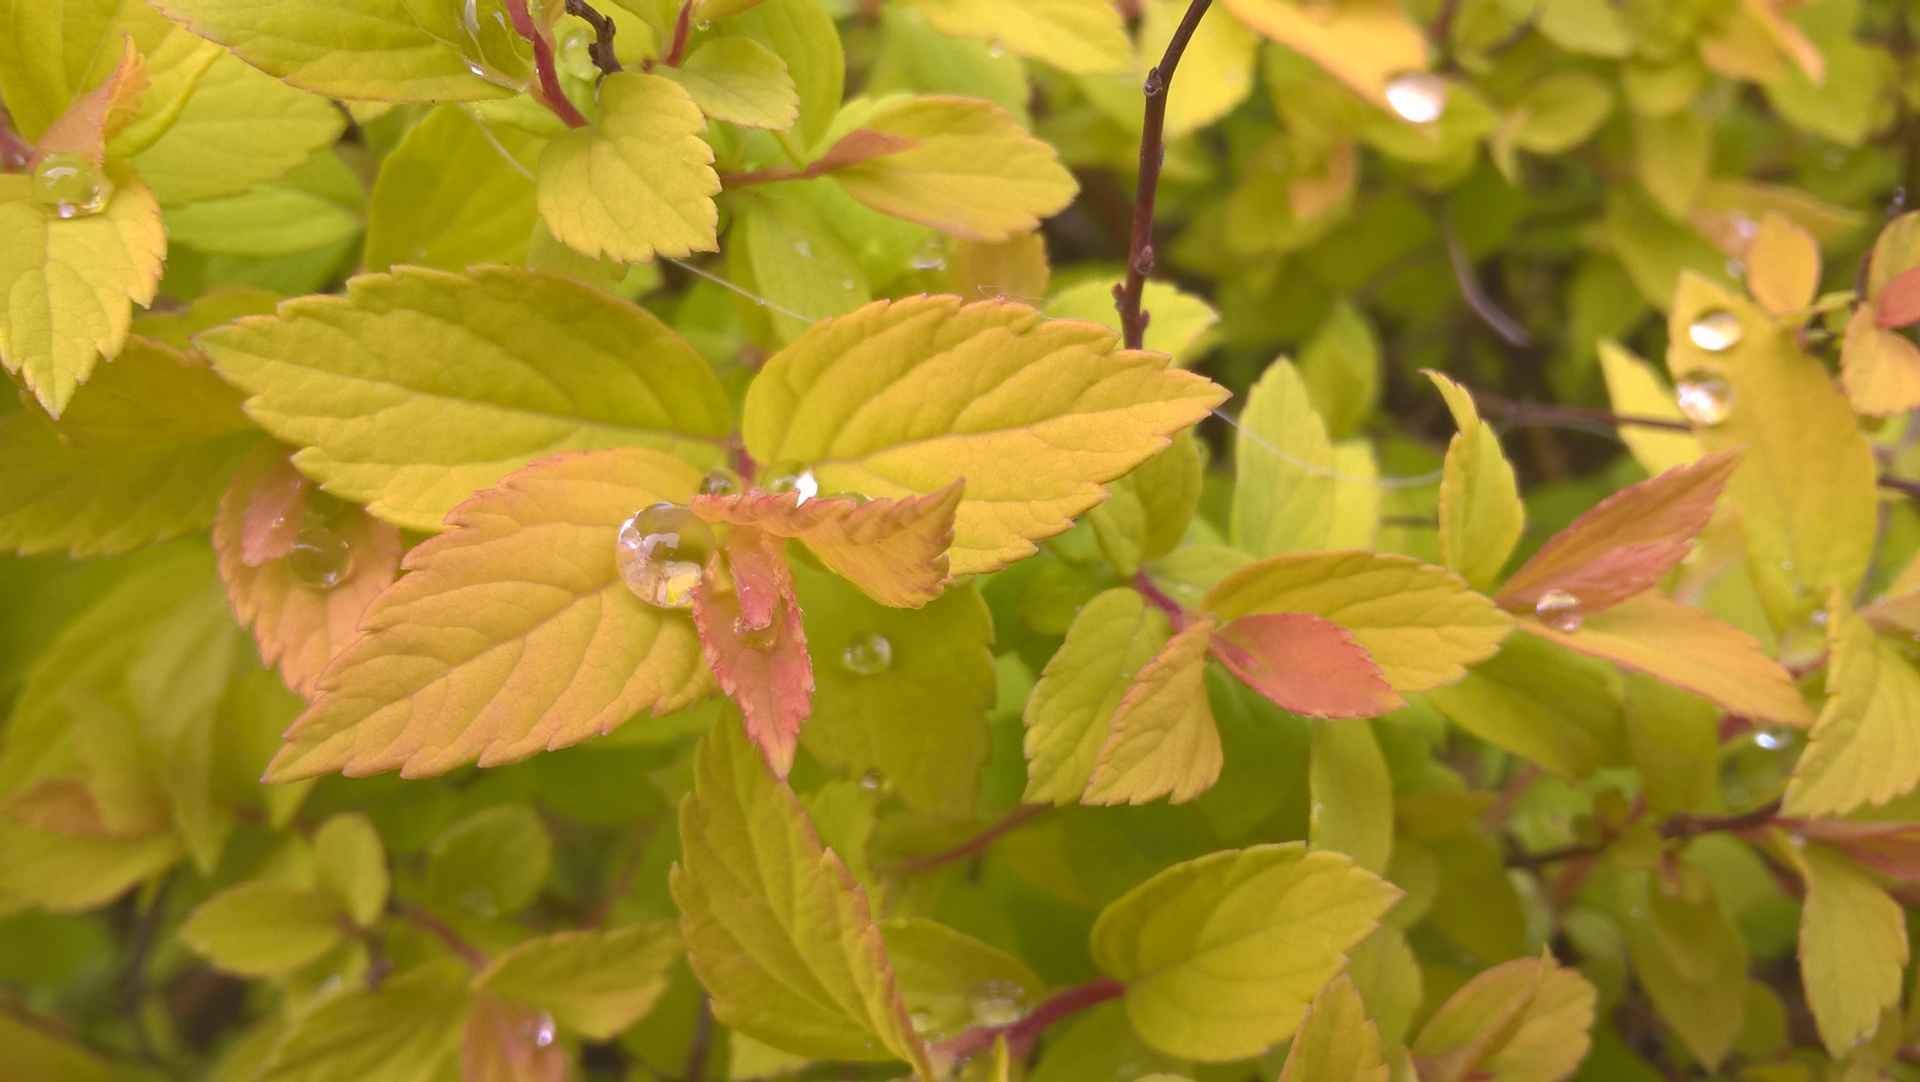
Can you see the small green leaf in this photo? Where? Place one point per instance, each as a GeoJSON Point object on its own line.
{"type": "Point", "coordinates": [1481, 517]}
{"type": "Point", "coordinates": [1853, 946]}
{"type": "Point", "coordinates": [740, 81]}
{"type": "Point", "coordinates": [1352, 794]}
{"type": "Point", "coordinates": [593, 983]}
{"type": "Point", "coordinates": [261, 928]}
{"type": "Point", "coordinates": [406, 1031]}
{"type": "Point", "coordinates": [351, 866]}
{"type": "Point", "coordinates": [240, 128]}
{"type": "Point", "coordinates": [457, 191]}
{"type": "Point", "coordinates": [1689, 957]}
{"type": "Point", "coordinates": [1069, 715]}
{"type": "Point", "coordinates": [490, 864]}
{"type": "Point", "coordinates": [1283, 495]}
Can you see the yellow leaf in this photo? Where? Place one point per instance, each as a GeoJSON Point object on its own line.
{"type": "Point", "coordinates": [1880, 368]}
{"type": "Point", "coordinates": [740, 81]}
{"type": "Point", "coordinates": [1337, 1042]}
{"type": "Point", "coordinates": [87, 125]}
{"type": "Point", "coordinates": [240, 128]}
{"type": "Point", "coordinates": [1149, 510]}
{"type": "Point", "coordinates": [1162, 741]}
{"type": "Point", "coordinates": [261, 927]}
{"type": "Point", "coordinates": [1865, 747]}
{"type": "Point", "coordinates": [640, 181]}
{"type": "Point", "coordinates": [909, 396]}
{"type": "Point", "coordinates": [894, 550]}
{"type": "Point", "coordinates": [1636, 390]}
{"type": "Point", "coordinates": [70, 283]}
{"type": "Point", "coordinates": [419, 388]}
{"type": "Point", "coordinates": [1352, 791]}
{"type": "Point", "coordinates": [1422, 625]}
{"type": "Point", "coordinates": [562, 649]}
{"type": "Point", "coordinates": [1081, 37]}
{"type": "Point", "coordinates": [1853, 945]}
{"type": "Point", "coordinates": [1363, 43]}
{"type": "Point", "coordinates": [1689, 649]}
{"type": "Point", "coordinates": [1805, 486]}
{"type": "Point", "coordinates": [1015, 269]}
{"type": "Point", "coordinates": [781, 935]}
{"type": "Point", "coordinates": [1670, 156]}
{"type": "Point", "coordinates": [1522, 1021]}
{"type": "Point", "coordinates": [68, 873]}
{"type": "Point", "coordinates": [1283, 495]}
{"type": "Point", "coordinates": [1221, 955]}
{"type": "Point", "coordinates": [1178, 328]}
{"type": "Point", "coordinates": [970, 169]}
{"type": "Point", "coordinates": [55, 52]}
{"type": "Point", "coordinates": [1783, 265]}
{"type": "Point", "coordinates": [1216, 71]}
{"type": "Point", "coordinates": [1481, 517]}
{"type": "Point", "coordinates": [1070, 713]}
{"type": "Point", "coordinates": [596, 983]}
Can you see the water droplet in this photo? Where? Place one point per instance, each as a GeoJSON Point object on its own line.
{"type": "Point", "coordinates": [661, 552]}
{"type": "Point", "coordinates": [720, 483]}
{"type": "Point", "coordinates": [791, 477]}
{"type": "Point", "coordinates": [869, 654]}
{"type": "Point", "coordinates": [543, 1031]}
{"type": "Point", "coordinates": [1418, 96]}
{"type": "Point", "coordinates": [996, 50]}
{"type": "Point", "coordinates": [490, 46]}
{"type": "Point", "coordinates": [804, 248]}
{"type": "Point", "coordinates": [1716, 331]}
{"type": "Point", "coordinates": [1705, 396]}
{"type": "Point", "coordinates": [759, 636]}
{"type": "Point", "coordinates": [931, 256]}
{"type": "Point", "coordinates": [480, 902]}
{"type": "Point", "coordinates": [1559, 611]}
{"type": "Point", "coordinates": [703, 24]}
{"type": "Point", "coordinates": [923, 1022]}
{"type": "Point", "coordinates": [1743, 227]}
{"type": "Point", "coordinates": [71, 185]}
{"type": "Point", "coordinates": [319, 557]}
{"type": "Point", "coordinates": [997, 1003]}
{"type": "Point", "coordinates": [872, 780]}
{"type": "Point", "coordinates": [847, 283]}
{"type": "Point", "coordinates": [850, 497]}
{"type": "Point", "coordinates": [1772, 739]}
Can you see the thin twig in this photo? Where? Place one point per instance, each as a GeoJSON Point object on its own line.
{"type": "Point", "coordinates": [441, 930]}
{"type": "Point", "coordinates": [1011, 821]}
{"type": "Point", "coordinates": [1502, 324]}
{"type": "Point", "coordinates": [1681, 825]}
{"type": "Point", "coordinates": [1153, 152]}
{"type": "Point", "coordinates": [702, 1041]}
{"type": "Point", "coordinates": [1022, 1033]}
{"type": "Point", "coordinates": [603, 30]}
{"type": "Point", "coordinates": [134, 991]}
{"type": "Point", "coordinates": [543, 63]}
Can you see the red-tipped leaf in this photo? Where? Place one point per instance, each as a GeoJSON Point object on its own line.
{"type": "Point", "coordinates": [1306, 664]}
{"type": "Point", "coordinates": [755, 643]}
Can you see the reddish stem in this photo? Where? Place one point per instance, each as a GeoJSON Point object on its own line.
{"type": "Point", "coordinates": [682, 30]}
{"type": "Point", "coordinates": [543, 62]}
{"type": "Point", "coordinates": [1013, 819]}
{"type": "Point", "coordinates": [1177, 613]}
{"type": "Point", "coordinates": [1021, 1034]}
{"type": "Point", "coordinates": [444, 932]}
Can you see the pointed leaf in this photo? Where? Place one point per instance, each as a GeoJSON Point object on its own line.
{"type": "Point", "coordinates": [1853, 946]}
{"type": "Point", "coordinates": [1337, 1042]}
{"type": "Point", "coordinates": [350, 866]}
{"type": "Point", "coordinates": [240, 128]}
{"type": "Point", "coordinates": [909, 396]}
{"type": "Point", "coordinates": [405, 1031]}
{"type": "Point", "coordinates": [1480, 512]}
{"type": "Point", "coordinates": [756, 643]}
{"type": "Point", "coordinates": [1363, 43]}
{"type": "Point", "coordinates": [1352, 793]}
{"type": "Point", "coordinates": [457, 191]}
{"type": "Point", "coordinates": [1162, 741]}
{"type": "Point", "coordinates": [66, 873]}
{"type": "Point", "coordinates": [262, 927]}
{"type": "Point", "coordinates": [1421, 625]}
{"type": "Point", "coordinates": [895, 550]}
{"type": "Point", "coordinates": [1306, 664]}
{"type": "Point", "coordinates": [1783, 265]}
{"type": "Point", "coordinates": [1865, 746]}
{"type": "Point", "coordinates": [1691, 650]}
{"type": "Point", "coordinates": [1077, 36]}
{"type": "Point", "coordinates": [640, 181]}
{"type": "Point", "coordinates": [1069, 716]}
{"type": "Point", "coordinates": [88, 123]}
{"type": "Point", "coordinates": [740, 81]}
{"type": "Point", "coordinates": [1523, 1021]}
{"type": "Point", "coordinates": [564, 650]}
{"type": "Point", "coordinates": [1283, 494]}
{"type": "Point", "coordinates": [781, 935]}
{"type": "Point", "coordinates": [1549, 706]}
{"type": "Point", "coordinates": [594, 983]}
{"type": "Point", "coordinates": [1689, 957]}
{"type": "Point", "coordinates": [1626, 543]}
{"type": "Point", "coordinates": [419, 388]}
{"type": "Point", "coordinates": [1222, 955]}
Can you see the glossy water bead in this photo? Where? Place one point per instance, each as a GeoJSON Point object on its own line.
{"type": "Point", "coordinates": [1419, 97]}
{"type": "Point", "coordinates": [791, 477]}
{"type": "Point", "coordinates": [721, 482]}
{"type": "Point", "coordinates": [1705, 396]}
{"type": "Point", "coordinates": [997, 1003]}
{"type": "Point", "coordinates": [1716, 331]}
{"type": "Point", "coordinates": [661, 552]}
{"type": "Point", "coordinates": [1559, 611]}
{"type": "Point", "coordinates": [869, 654]}
{"type": "Point", "coordinates": [490, 45]}
{"type": "Point", "coordinates": [71, 185]}
{"type": "Point", "coordinates": [319, 557]}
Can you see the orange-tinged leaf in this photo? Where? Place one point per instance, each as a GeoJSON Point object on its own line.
{"type": "Point", "coordinates": [1363, 43]}
{"type": "Point", "coordinates": [1691, 650]}
{"type": "Point", "coordinates": [1892, 849]}
{"type": "Point", "coordinates": [274, 507]}
{"type": "Point", "coordinates": [894, 550]}
{"type": "Point", "coordinates": [1336, 1042]}
{"type": "Point", "coordinates": [1783, 265]}
{"type": "Point", "coordinates": [858, 145]}
{"type": "Point", "coordinates": [907, 397]}
{"type": "Point", "coordinates": [297, 626]}
{"type": "Point", "coordinates": [1880, 368]}
{"type": "Point", "coordinates": [1865, 746]}
{"type": "Point", "coordinates": [756, 644]}
{"type": "Point", "coordinates": [1306, 664]}
{"type": "Point", "coordinates": [513, 632]}
{"type": "Point", "coordinates": [88, 123]}
{"type": "Point", "coordinates": [1527, 1019]}
{"type": "Point", "coordinates": [58, 806]}
{"type": "Point", "coordinates": [1899, 302]}
{"type": "Point", "coordinates": [505, 1042]}
{"type": "Point", "coordinates": [1626, 542]}
{"type": "Point", "coordinates": [1162, 741]}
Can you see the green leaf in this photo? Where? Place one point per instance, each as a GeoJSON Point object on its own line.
{"type": "Point", "coordinates": [175, 686]}
{"type": "Point", "coordinates": [1222, 954]}
{"type": "Point", "coordinates": [1337, 1042]}
{"type": "Point", "coordinates": [1082, 37]}
{"type": "Point", "coordinates": [1070, 713]}
{"type": "Point", "coordinates": [802, 34]}
{"type": "Point", "coordinates": [404, 1032]}
{"type": "Point", "coordinates": [952, 981]}
{"type": "Point", "coordinates": [261, 928]}
{"type": "Point", "coordinates": [740, 81]}
{"type": "Point", "coordinates": [1853, 946]}
{"type": "Point", "coordinates": [1689, 958]}
{"type": "Point", "coordinates": [1422, 625]}
{"type": "Point", "coordinates": [1178, 327]}
{"type": "Point", "coordinates": [781, 936]}
{"type": "Point", "coordinates": [1148, 511]}
{"type": "Point", "coordinates": [1549, 706]}
{"type": "Point", "coordinates": [54, 53]}
{"type": "Point", "coordinates": [1673, 739]}
{"type": "Point", "coordinates": [639, 181]}
{"type": "Point", "coordinates": [1352, 794]}
{"type": "Point", "coordinates": [1067, 410]}
{"type": "Point", "coordinates": [1283, 495]}
{"type": "Point", "coordinates": [240, 128]}
{"type": "Point", "coordinates": [921, 721]}
{"type": "Point", "coordinates": [1861, 752]}
{"type": "Point", "coordinates": [1162, 741]}
{"type": "Point", "coordinates": [71, 283]}
{"type": "Point", "coordinates": [448, 382]}
{"type": "Point", "coordinates": [68, 873]}
{"type": "Point", "coordinates": [350, 865]}
{"type": "Point", "coordinates": [593, 983]}
{"type": "Point", "coordinates": [492, 863]}
{"type": "Point", "coordinates": [569, 652]}
{"type": "Point", "coordinates": [1481, 517]}
{"type": "Point", "coordinates": [1340, 366]}
{"type": "Point", "coordinates": [457, 191]}
{"type": "Point", "coordinates": [353, 49]}
{"type": "Point", "coordinates": [795, 259]}
{"type": "Point", "coordinates": [1559, 113]}
{"type": "Point", "coordinates": [268, 221]}
{"type": "Point", "coordinates": [1524, 1021]}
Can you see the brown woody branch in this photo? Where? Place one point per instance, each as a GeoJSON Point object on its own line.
{"type": "Point", "coordinates": [1682, 825]}
{"type": "Point", "coordinates": [601, 50]}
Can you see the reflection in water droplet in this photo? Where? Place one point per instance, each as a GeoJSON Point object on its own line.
{"type": "Point", "coordinates": [1418, 96]}
{"type": "Point", "coordinates": [720, 483]}
{"type": "Point", "coordinates": [703, 25]}
{"type": "Point", "coordinates": [543, 1031]}
{"type": "Point", "coordinates": [320, 558]}
{"type": "Point", "coordinates": [759, 636]}
{"type": "Point", "coordinates": [791, 477]}
{"type": "Point", "coordinates": [996, 50]}
{"type": "Point", "coordinates": [931, 256]}
{"type": "Point", "coordinates": [805, 249]}
{"type": "Point", "coordinates": [490, 46]}
{"type": "Point", "coordinates": [872, 780]}
{"type": "Point", "coordinates": [71, 185]}
{"type": "Point", "coordinates": [1716, 331]}
{"type": "Point", "coordinates": [847, 283]}
{"type": "Point", "coordinates": [661, 552]}
{"type": "Point", "coordinates": [869, 654]}
{"type": "Point", "coordinates": [1704, 396]}
{"type": "Point", "coordinates": [997, 1003]}
{"type": "Point", "coordinates": [1559, 611]}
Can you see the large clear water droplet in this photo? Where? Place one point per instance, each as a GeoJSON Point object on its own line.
{"type": "Point", "coordinates": [1704, 396]}
{"type": "Point", "coordinates": [792, 477]}
{"type": "Point", "coordinates": [71, 185]}
{"type": "Point", "coordinates": [661, 552]}
{"type": "Point", "coordinates": [869, 654]}
{"type": "Point", "coordinates": [872, 780]}
{"type": "Point", "coordinates": [930, 256]}
{"type": "Point", "coordinates": [543, 1031]}
{"type": "Point", "coordinates": [1559, 611]}
{"type": "Point", "coordinates": [319, 557]}
{"type": "Point", "coordinates": [491, 47]}
{"type": "Point", "coordinates": [1716, 331]}
{"type": "Point", "coordinates": [997, 1003]}
{"type": "Point", "coordinates": [1418, 97]}
{"type": "Point", "coordinates": [720, 483]}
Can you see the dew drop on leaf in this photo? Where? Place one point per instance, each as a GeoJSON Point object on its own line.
{"type": "Point", "coordinates": [1716, 331]}
{"type": "Point", "coordinates": [869, 654]}
{"type": "Point", "coordinates": [543, 1031]}
{"type": "Point", "coordinates": [758, 636]}
{"type": "Point", "coordinates": [1417, 96]}
{"type": "Point", "coordinates": [720, 483]}
{"type": "Point", "coordinates": [852, 497]}
{"type": "Point", "coordinates": [1704, 396]}
{"type": "Point", "coordinates": [997, 1003]}
{"type": "Point", "coordinates": [661, 552]}
{"type": "Point", "coordinates": [791, 477]}
{"type": "Point", "coordinates": [490, 46]}
{"type": "Point", "coordinates": [319, 557]}
{"type": "Point", "coordinates": [71, 185]}
{"type": "Point", "coordinates": [931, 256]}
{"type": "Point", "coordinates": [872, 780]}
{"type": "Point", "coordinates": [805, 249]}
{"type": "Point", "coordinates": [1559, 611]}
